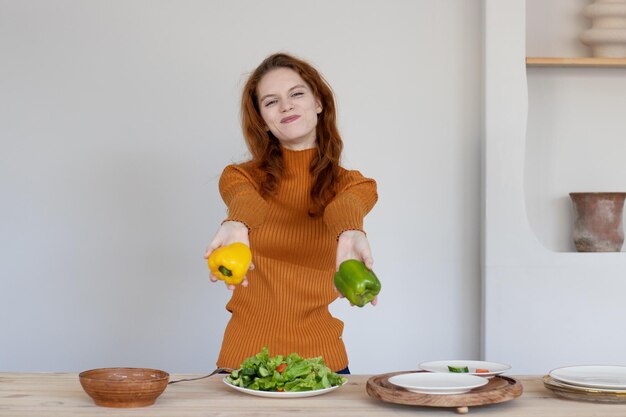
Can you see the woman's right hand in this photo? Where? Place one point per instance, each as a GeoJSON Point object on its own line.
{"type": "Point", "coordinates": [229, 232]}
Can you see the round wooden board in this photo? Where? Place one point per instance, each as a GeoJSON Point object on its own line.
{"type": "Point", "coordinates": [499, 389]}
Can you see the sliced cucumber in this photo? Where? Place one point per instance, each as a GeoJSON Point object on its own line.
{"type": "Point", "coordinates": [458, 369]}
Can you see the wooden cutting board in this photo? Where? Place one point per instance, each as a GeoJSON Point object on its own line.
{"type": "Point", "coordinates": [499, 389]}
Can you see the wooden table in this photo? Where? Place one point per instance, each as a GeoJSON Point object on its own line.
{"type": "Point", "coordinates": [60, 394]}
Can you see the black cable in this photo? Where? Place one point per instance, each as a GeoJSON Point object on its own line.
{"type": "Point", "coordinates": [217, 370]}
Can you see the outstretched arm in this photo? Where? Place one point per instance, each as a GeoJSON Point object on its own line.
{"type": "Point", "coordinates": [344, 217]}
{"type": "Point", "coordinates": [246, 211]}
{"type": "Point", "coordinates": [356, 195]}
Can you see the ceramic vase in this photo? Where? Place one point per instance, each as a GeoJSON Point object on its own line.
{"type": "Point", "coordinates": [598, 225]}
{"type": "Point", "coordinates": [607, 35]}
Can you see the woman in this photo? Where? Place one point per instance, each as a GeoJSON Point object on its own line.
{"type": "Point", "coordinates": [300, 213]}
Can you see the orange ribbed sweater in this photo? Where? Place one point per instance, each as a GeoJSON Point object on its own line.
{"type": "Point", "coordinates": [285, 305]}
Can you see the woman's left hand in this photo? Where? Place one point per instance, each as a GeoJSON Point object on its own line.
{"type": "Point", "coordinates": [353, 244]}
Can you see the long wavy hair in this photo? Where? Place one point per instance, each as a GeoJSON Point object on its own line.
{"type": "Point", "coordinates": [265, 147]}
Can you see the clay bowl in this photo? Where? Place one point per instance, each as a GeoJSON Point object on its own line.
{"type": "Point", "coordinates": [124, 387]}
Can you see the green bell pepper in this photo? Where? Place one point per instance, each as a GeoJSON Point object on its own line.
{"type": "Point", "coordinates": [357, 283]}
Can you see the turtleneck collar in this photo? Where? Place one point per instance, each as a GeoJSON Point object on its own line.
{"type": "Point", "coordinates": [295, 160]}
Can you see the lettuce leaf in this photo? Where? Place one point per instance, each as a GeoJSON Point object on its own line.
{"type": "Point", "coordinates": [259, 372]}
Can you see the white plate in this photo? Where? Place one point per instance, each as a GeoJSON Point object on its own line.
{"type": "Point", "coordinates": [442, 366]}
{"type": "Point", "coordinates": [275, 394]}
{"type": "Point", "coordinates": [594, 376]}
{"type": "Point", "coordinates": [593, 390]}
{"type": "Point", "coordinates": [438, 383]}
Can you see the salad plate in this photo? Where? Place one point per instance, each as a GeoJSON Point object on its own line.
{"type": "Point", "coordinates": [276, 394]}
{"type": "Point", "coordinates": [263, 375]}
{"type": "Point", "coordinates": [492, 368]}
{"type": "Point", "coordinates": [592, 376]}
{"type": "Point", "coordinates": [437, 383]}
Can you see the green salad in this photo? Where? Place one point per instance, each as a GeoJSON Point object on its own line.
{"type": "Point", "coordinates": [289, 373]}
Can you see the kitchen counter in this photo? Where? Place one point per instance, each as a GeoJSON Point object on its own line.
{"type": "Point", "coordinates": [60, 394]}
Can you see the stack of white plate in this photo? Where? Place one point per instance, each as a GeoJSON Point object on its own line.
{"type": "Point", "coordinates": [589, 382]}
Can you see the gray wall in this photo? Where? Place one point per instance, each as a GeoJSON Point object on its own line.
{"type": "Point", "coordinates": [116, 119]}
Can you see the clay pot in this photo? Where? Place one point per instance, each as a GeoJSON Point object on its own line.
{"type": "Point", "coordinates": [598, 223]}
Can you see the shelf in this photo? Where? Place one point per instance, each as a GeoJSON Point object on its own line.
{"type": "Point", "coordinates": [576, 62]}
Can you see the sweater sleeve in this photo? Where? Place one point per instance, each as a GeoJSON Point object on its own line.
{"type": "Point", "coordinates": [356, 196]}
{"type": "Point", "coordinates": [241, 194]}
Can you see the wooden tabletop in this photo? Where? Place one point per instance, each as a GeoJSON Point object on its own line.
{"type": "Point", "coordinates": [60, 394]}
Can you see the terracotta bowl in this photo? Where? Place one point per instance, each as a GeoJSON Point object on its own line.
{"type": "Point", "coordinates": [124, 387]}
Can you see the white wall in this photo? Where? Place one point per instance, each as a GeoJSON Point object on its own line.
{"type": "Point", "coordinates": [576, 123]}
{"type": "Point", "coordinates": [543, 308]}
{"type": "Point", "coordinates": [116, 119]}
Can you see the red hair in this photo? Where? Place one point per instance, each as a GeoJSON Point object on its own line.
{"type": "Point", "coordinates": [265, 147]}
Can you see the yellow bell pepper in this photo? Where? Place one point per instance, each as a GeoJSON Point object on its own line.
{"type": "Point", "coordinates": [230, 263]}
